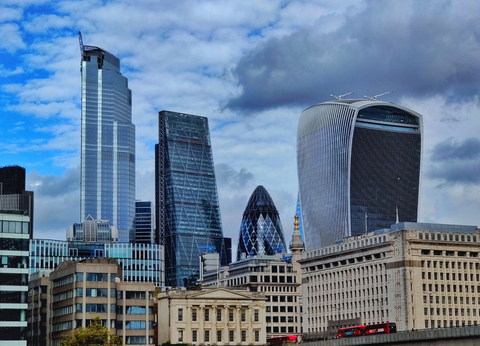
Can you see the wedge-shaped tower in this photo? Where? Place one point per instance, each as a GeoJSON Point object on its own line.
{"type": "Point", "coordinates": [261, 231]}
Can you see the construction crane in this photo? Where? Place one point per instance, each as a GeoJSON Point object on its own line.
{"type": "Point", "coordinates": [339, 97]}
{"type": "Point", "coordinates": [374, 98]}
{"type": "Point", "coordinates": [81, 42]}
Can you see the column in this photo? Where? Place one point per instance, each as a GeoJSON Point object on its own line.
{"type": "Point", "coordinates": [201, 330]}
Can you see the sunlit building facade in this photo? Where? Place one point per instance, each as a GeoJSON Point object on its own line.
{"type": "Point", "coordinates": [188, 212]}
{"type": "Point", "coordinates": [144, 222]}
{"type": "Point", "coordinates": [108, 143]}
{"type": "Point", "coordinates": [261, 231]}
{"type": "Point", "coordinates": [358, 162]}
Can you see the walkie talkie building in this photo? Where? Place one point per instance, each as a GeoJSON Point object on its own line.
{"type": "Point", "coordinates": [358, 161]}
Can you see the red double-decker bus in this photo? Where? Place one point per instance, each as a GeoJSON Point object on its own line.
{"type": "Point", "coordinates": [381, 328]}
{"type": "Point", "coordinates": [279, 340]}
{"type": "Point", "coordinates": [351, 331]}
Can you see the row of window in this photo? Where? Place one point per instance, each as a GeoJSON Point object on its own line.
{"type": "Point", "coordinates": [282, 299]}
{"type": "Point", "coordinates": [450, 312]}
{"type": "Point", "coordinates": [447, 265]}
{"type": "Point", "coordinates": [449, 299]}
{"type": "Point", "coordinates": [231, 335]}
{"type": "Point", "coordinates": [231, 314]}
{"type": "Point", "coordinates": [276, 330]}
{"type": "Point", "coordinates": [281, 319]}
{"type": "Point", "coordinates": [447, 237]}
{"type": "Point", "coordinates": [466, 277]}
{"type": "Point", "coordinates": [450, 288]}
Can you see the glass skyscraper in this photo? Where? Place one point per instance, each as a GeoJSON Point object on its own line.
{"type": "Point", "coordinates": [188, 212]}
{"type": "Point", "coordinates": [144, 222]}
{"type": "Point", "coordinates": [108, 143]}
{"type": "Point", "coordinates": [358, 161]}
{"type": "Point", "coordinates": [261, 231]}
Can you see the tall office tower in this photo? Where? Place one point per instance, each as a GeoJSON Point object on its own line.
{"type": "Point", "coordinates": [13, 195]}
{"type": "Point", "coordinates": [144, 222]}
{"type": "Point", "coordinates": [261, 231]}
{"type": "Point", "coordinates": [188, 213]}
{"type": "Point", "coordinates": [358, 161]}
{"type": "Point", "coordinates": [14, 247]}
{"type": "Point", "coordinates": [108, 143]}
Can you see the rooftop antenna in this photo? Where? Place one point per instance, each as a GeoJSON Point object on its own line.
{"type": "Point", "coordinates": [81, 42]}
{"type": "Point", "coordinates": [339, 97]}
{"type": "Point", "coordinates": [374, 98]}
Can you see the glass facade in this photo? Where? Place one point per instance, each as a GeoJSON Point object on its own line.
{"type": "Point", "coordinates": [144, 222]}
{"type": "Point", "coordinates": [261, 231]}
{"type": "Point", "coordinates": [140, 262]}
{"type": "Point", "coordinates": [108, 143]}
{"type": "Point", "coordinates": [357, 162]}
{"type": "Point", "coordinates": [14, 237]}
{"type": "Point", "coordinates": [92, 230]}
{"type": "Point", "coordinates": [188, 212]}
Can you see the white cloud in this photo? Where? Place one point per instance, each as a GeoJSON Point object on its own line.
{"type": "Point", "coordinates": [43, 23]}
{"type": "Point", "coordinates": [11, 38]}
{"type": "Point", "coordinates": [8, 14]}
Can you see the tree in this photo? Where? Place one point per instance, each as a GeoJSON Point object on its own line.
{"type": "Point", "coordinates": [94, 335]}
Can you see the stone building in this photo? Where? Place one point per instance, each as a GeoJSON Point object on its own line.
{"type": "Point", "coordinates": [209, 316]}
{"type": "Point", "coordinates": [415, 274]}
{"type": "Point", "coordinates": [278, 276]}
{"type": "Point", "coordinates": [78, 291]}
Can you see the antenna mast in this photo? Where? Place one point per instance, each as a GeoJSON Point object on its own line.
{"type": "Point", "coordinates": [374, 98]}
{"type": "Point", "coordinates": [339, 97]}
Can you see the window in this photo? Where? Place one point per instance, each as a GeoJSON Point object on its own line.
{"type": "Point", "coordinates": [135, 340]}
{"type": "Point", "coordinates": [219, 336]}
{"type": "Point", "coordinates": [180, 315]}
{"type": "Point", "coordinates": [194, 335]}
{"type": "Point", "coordinates": [135, 295]}
{"type": "Point", "coordinates": [230, 315]}
{"type": "Point", "coordinates": [134, 324]}
{"type": "Point", "coordinates": [256, 315]}
{"type": "Point", "coordinates": [257, 336]}
{"type": "Point", "coordinates": [95, 277]}
{"type": "Point", "coordinates": [207, 336]}
{"type": "Point", "coordinates": [243, 313]}
{"type": "Point", "coordinates": [180, 335]}
{"type": "Point", "coordinates": [194, 315]}
{"type": "Point", "coordinates": [231, 334]}
{"type": "Point", "coordinates": [219, 315]}
{"type": "Point", "coordinates": [244, 336]}
{"type": "Point", "coordinates": [207, 315]}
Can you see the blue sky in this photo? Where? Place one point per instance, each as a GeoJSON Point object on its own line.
{"type": "Point", "coordinates": [251, 67]}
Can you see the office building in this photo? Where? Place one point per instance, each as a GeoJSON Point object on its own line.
{"type": "Point", "coordinates": [141, 263]}
{"type": "Point", "coordinates": [299, 214]}
{"type": "Point", "coordinates": [107, 165]}
{"type": "Point", "coordinates": [14, 240]}
{"type": "Point", "coordinates": [79, 291]}
{"type": "Point", "coordinates": [261, 231]}
{"type": "Point", "coordinates": [414, 274]}
{"type": "Point", "coordinates": [91, 230]}
{"type": "Point", "coordinates": [211, 316]}
{"type": "Point", "coordinates": [277, 276]}
{"type": "Point", "coordinates": [13, 195]}
{"type": "Point", "coordinates": [188, 212]}
{"type": "Point", "coordinates": [144, 222]}
{"type": "Point", "coordinates": [358, 162]}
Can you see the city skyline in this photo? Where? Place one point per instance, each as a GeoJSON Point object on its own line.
{"type": "Point", "coordinates": [233, 62]}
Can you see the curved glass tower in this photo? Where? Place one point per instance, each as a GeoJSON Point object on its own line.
{"type": "Point", "coordinates": [357, 161]}
{"type": "Point", "coordinates": [108, 143]}
{"type": "Point", "coordinates": [261, 231]}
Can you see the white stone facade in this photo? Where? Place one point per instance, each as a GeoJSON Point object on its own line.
{"type": "Point", "coordinates": [417, 275]}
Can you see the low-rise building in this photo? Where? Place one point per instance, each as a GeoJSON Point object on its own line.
{"type": "Point", "coordinates": [415, 274]}
{"type": "Point", "coordinates": [211, 316]}
{"type": "Point", "coordinates": [79, 291]}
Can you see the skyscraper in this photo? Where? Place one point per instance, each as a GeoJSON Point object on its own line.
{"type": "Point", "coordinates": [188, 212]}
{"type": "Point", "coordinates": [144, 222]}
{"type": "Point", "coordinates": [13, 195]}
{"type": "Point", "coordinates": [261, 231]}
{"type": "Point", "coordinates": [108, 142]}
{"type": "Point", "coordinates": [358, 161]}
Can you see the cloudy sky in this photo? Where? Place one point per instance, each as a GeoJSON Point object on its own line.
{"type": "Point", "coordinates": [251, 67]}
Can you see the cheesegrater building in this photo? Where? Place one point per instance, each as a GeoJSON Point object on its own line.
{"type": "Point", "coordinates": [108, 142]}
{"type": "Point", "coordinates": [359, 165]}
{"type": "Point", "coordinates": [188, 212]}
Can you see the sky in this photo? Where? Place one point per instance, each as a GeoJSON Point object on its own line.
{"type": "Point", "coordinates": [251, 67]}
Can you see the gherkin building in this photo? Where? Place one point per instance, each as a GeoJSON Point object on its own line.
{"type": "Point", "coordinates": [261, 231]}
